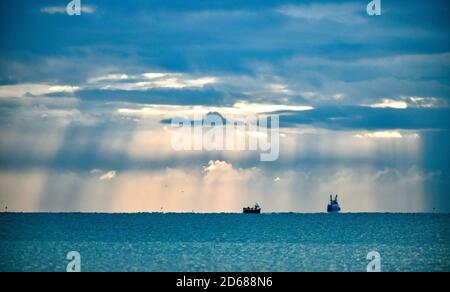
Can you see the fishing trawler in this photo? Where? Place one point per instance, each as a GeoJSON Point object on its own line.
{"type": "Point", "coordinates": [333, 206]}
{"type": "Point", "coordinates": [252, 210]}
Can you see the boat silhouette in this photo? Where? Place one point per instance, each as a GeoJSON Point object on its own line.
{"type": "Point", "coordinates": [252, 210]}
{"type": "Point", "coordinates": [333, 206]}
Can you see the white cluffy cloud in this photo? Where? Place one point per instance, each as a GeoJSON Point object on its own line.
{"type": "Point", "coordinates": [62, 9]}
{"type": "Point", "coordinates": [150, 80]}
{"type": "Point", "coordinates": [411, 101]}
{"type": "Point", "coordinates": [20, 90]}
{"type": "Point", "coordinates": [386, 135]}
{"type": "Point", "coordinates": [390, 103]}
{"type": "Point", "coordinates": [217, 165]}
{"type": "Point", "coordinates": [268, 108]}
{"type": "Point", "coordinates": [221, 173]}
{"type": "Point", "coordinates": [426, 102]}
{"type": "Point", "coordinates": [112, 82]}
{"type": "Point", "coordinates": [108, 175]}
{"type": "Point", "coordinates": [109, 77]}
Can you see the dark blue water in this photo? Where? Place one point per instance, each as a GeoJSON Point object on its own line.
{"type": "Point", "coordinates": [224, 242]}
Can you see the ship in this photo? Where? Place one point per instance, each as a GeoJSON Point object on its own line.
{"type": "Point", "coordinates": [252, 210]}
{"type": "Point", "coordinates": [333, 206]}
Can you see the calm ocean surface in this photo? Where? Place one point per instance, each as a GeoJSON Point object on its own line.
{"type": "Point", "coordinates": [224, 242]}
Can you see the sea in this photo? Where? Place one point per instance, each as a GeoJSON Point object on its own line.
{"type": "Point", "coordinates": [224, 242]}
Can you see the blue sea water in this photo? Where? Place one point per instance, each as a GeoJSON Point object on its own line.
{"type": "Point", "coordinates": [224, 242]}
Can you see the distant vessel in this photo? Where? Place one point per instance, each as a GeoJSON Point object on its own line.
{"type": "Point", "coordinates": [252, 210]}
{"type": "Point", "coordinates": [333, 206]}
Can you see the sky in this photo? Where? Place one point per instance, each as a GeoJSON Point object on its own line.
{"type": "Point", "coordinates": [363, 105]}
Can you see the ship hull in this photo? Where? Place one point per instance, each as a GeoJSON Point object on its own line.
{"type": "Point", "coordinates": [333, 209]}
{"type": "Point", "coordinates": [252, 211]}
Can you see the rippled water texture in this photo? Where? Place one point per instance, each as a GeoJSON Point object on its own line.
{"type": "Point", "coordinates": [224, 242]}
